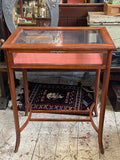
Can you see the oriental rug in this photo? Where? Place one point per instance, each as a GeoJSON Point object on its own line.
{"type": "Point", "coordinates": [57, 97]}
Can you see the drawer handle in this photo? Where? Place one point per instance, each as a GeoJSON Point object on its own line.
{"type": "Point", "coordinates": [57, 52]}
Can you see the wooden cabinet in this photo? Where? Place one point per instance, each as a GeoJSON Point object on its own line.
{"type": "Point", "coordinates": [26, 11]}
{"type": "Point", "coordinates": [73, 14]}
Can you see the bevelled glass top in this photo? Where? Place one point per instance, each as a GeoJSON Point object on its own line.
{"type": "Point", "coordinates": [79, 36]}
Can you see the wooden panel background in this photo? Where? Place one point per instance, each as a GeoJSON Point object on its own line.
{"type": "Point", "coordinates": [76, 14]}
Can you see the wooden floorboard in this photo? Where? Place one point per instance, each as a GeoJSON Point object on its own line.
{"type": "Point", "coordinates": [59, 140]}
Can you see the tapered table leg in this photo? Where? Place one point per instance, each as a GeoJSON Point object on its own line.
{"type": "Point", "coordinates": [13, 96]}
{"type": "Point", "coordinates": [103, 100]}
{"type": "Point", "coordinates": [26, 91]}
{"type": "Point", "coordinates": [97, 82]}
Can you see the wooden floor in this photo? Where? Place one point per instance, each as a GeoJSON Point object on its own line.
{"type": "Point", "coordinates": [59, 140]}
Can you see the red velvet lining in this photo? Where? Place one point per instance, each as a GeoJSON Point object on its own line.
{"type": "Point", "coordinates": [58, 58]}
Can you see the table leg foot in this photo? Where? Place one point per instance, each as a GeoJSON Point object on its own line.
{"type": "Point", "coordinates": [17, 143]}
{"type": "Point", "coordinates": [101, 146]}
{"type": "Point", "coordinates": [101, 149]}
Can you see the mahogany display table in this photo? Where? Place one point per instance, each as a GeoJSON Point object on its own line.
{"type": "Point", "coordinates": [58, 49]}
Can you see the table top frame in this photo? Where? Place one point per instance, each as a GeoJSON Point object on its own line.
{"type": "Point", "coordinates": [9, 44]}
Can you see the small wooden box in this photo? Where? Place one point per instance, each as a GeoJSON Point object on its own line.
{"type": "Point", "coordinates": [111, 9]}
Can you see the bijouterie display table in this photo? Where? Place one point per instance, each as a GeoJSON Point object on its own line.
{"type": "Point", "coordinates": [59, 49]}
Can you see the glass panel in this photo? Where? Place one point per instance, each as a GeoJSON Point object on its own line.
{"type": "Point", "coordinates": [60, 37]}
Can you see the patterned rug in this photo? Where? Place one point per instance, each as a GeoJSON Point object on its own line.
{"type": "Point", "coordinates": [57, 97]}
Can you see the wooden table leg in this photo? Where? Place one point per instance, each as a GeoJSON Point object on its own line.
{"type": "Point", "coordinates": [26, 91]}
{"type": "Point", "coordinates": [97, 82]}
{"type": "Point", "coordinates": [14, 102]}
{"type": "Point", "coordinates": [15, 110]}
{"type": "Point", "coordinates": [103, 100]}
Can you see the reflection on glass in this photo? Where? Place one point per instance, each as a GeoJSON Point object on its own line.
{"type": "Point", "coordinates": [60, 37]}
